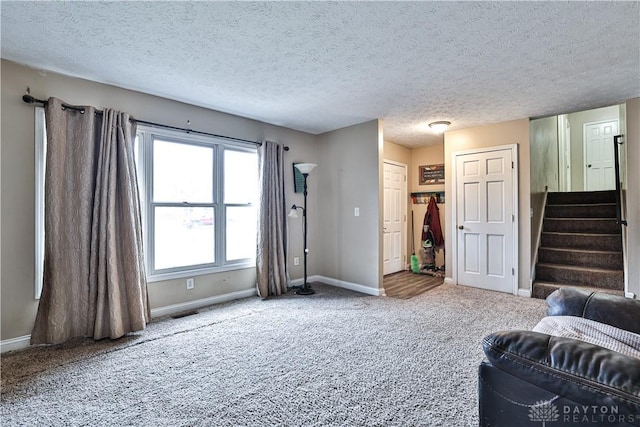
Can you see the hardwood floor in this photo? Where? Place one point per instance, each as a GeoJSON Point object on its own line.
{"type": "Point", "coordinates": [405, 284]}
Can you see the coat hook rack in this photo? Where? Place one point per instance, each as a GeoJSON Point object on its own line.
{"type": "Point", "coordinates": [422, 197]}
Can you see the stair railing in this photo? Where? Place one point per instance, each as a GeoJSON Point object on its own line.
{"type": "Point", "coordinates": [617, 140]}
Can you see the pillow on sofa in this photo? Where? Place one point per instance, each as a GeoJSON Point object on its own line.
{"type": "Point", "coordinates": [587, 330]}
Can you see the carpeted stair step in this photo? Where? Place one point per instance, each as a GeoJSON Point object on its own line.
{"type": "Point", "coordinates": [543, 289]}
{"type": "Point", "coordinates": [581, 225]}
{"type": "Point", "coordinates": [584, 276]}
{"type": "Point", "coordinates": [603, 242]}
{"type": "Point", "coordinates": [581, 257]}
{"type": "Point", "coordinates": [599, 210]}
{"type": "Point", "coordinates": [581, 197]}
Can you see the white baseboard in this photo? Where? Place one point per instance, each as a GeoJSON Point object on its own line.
{"type": "Point", "coordinates": [629, 295]}
{"type": "Point", "coordinates": [348, 285]}
{"type": "Point", "coordinates": [298, 282]}
{"type": "Point", "coordinates": [17, 343]}
{"type": "Point", "coordinates": [449, 281]}
{"type": "Point", "coordinates": [524, 293]}
{"type": "Point", "coordinates": [204, 302]}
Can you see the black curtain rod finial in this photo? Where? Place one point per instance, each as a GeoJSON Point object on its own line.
{"type": "Point", "coordinates": [31, 100]}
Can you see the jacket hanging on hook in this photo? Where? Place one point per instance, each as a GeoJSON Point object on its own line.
{"type": "Point", "coordinates": [432, 224]}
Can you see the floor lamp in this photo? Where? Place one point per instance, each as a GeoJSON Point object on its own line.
{"type": "Point", "coordinates": [305, 169]}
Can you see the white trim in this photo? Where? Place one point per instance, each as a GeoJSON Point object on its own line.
{"type": "Point", "coordinates": [564, 153]}
{"type": "Point", "coordinates": [453, 227]}
{"type": "Point", "coordinates": [17, 343]}
{"type": "Point", "coordinates": [405, 192]}
{"type": "Point", "coordinates": [199, 303]}
{"type": "Point", "coordinates": [629, 295]}
{"type": "Point", "coordinates": [298, 282]}
{"type": "Point", "coordinates": [379, 292]}
{"type": "Point", "coordinates": [449, 281]}
{"type": "Point", "coordinates": [526, 293]}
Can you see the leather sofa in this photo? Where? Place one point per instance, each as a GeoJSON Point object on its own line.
{"type": "Point", "coordinates": [534, 379]}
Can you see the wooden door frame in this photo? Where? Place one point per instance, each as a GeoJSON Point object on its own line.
{"type": "Point", "coordinates": [584, 147]}
{"type": "Point", "coordinates": [404, 196]}
{"type": "Point", "coordinates": [453, 227]}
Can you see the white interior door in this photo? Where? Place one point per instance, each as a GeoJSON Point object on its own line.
{"type": "Point", "coordinates": [485, 214]}
{"type": "Point", "coordinates": [394, 217]}
{"type": "Point", "coordinates": [599, 172]}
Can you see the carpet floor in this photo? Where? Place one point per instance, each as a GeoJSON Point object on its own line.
{"type": "Point", "coordinates": [337, 358]}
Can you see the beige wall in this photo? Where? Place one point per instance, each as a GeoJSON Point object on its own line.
{"type": "Point", "coordinates": [429, 155]}
{"type": "Point", "coordinates": [17, 214]}
{"type": "Point", "coordinates": [577, 121]}
{"type": "Point", "coordinates": [632, 142]}
{"type": "Point", "coordinates": [511, 132]}
{"type": "Point", "coordinates": [349, 166]}
{"type": "Point", "coordinates": [397, 153]}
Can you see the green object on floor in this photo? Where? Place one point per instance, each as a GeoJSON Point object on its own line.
{"type": "Point", "coordinates": [415, 266]}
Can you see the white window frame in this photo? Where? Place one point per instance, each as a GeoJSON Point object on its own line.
{"type": "Point", "coordinates": [145, 136]}
{"type": "Point", "coordinates": [224, 205]}
{"type": "Point", "coordinates": [40, 166]}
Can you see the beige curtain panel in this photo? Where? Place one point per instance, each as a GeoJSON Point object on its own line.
{"type": "Point", "coordinates": [272, 232]}
{"type": "Point", "coordinates": [94, 280]}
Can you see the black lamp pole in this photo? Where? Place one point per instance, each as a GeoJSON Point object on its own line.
{"type": "Point", "coordinates": [305, 289]}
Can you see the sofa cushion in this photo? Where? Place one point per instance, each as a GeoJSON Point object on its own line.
{"type": "Point", "coordinates": [583, 372]}
{"type": "Point", "coordinates": [593, 332]}
{"type": "Point", "coordinates": [614, 310]}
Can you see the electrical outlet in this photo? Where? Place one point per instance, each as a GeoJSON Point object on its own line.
{"type": "Point", "coordinates": [296, 260]}
{"type": "Point", "coordinates": [356, 211]}
{"type": "Point", "coordinates": [191, 283]}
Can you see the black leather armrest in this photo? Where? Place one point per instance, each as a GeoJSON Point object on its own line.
{"type": "Point", "coordinates": [575, 369]}
{"type": "Point", "coordinates": [614, 310]}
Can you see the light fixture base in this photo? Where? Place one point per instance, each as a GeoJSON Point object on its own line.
{"type": "Point", "coordinates": [440, 126]}
{"type": "Point", "coordinates": [305, 290]}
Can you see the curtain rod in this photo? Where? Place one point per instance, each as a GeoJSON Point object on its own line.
{"type": "Point", "coordinates": [31, 100]}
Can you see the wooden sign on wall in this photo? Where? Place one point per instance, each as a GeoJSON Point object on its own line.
{"type": "Point", "coordinates": [431, 174]}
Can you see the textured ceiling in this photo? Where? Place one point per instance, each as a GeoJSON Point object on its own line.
{"type": "Point", "coordinates": [319, 66]}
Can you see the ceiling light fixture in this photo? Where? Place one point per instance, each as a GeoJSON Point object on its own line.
{"type": "Point", "coordinates": [439, 127]}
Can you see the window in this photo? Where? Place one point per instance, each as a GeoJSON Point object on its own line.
{"type": "Point", "coordinates": [198, 195]}
{"type": "Point", "coordinates": [240, 191]}
{"type": "Point", "coordinates": [198, 198]}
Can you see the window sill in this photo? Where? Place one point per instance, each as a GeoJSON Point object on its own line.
{"type": "Point", "coordinates": [199, 272]}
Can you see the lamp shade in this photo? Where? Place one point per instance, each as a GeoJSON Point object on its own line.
{"type": "Point", "coordinates": [305, 168]}
{"type": "Point", "coordinates": [293, 213]}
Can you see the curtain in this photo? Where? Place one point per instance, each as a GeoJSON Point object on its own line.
{"type": "Point", "coordinates": [270, 257]}
{"type": "Point", "coordinates": [94, 280]}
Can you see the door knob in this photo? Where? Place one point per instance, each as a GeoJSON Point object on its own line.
{"type": "Point", "coordinates": [588, 166]}
{"type": "Point", "coordinates": [461, 227]}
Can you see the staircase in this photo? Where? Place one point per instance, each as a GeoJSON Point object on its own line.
{"type": "Point", "coordinates": [580, 245]}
